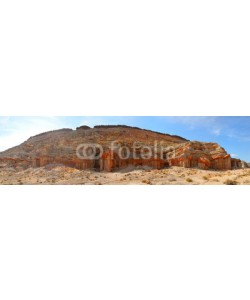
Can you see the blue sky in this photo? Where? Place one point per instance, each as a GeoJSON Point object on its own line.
{"type": "Point", "coordinates": [230, 132]}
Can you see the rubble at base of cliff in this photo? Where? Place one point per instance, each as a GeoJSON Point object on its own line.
{"type": "Point", "coordinates": [56, 174]}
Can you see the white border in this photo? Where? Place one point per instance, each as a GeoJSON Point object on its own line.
{"type": "Point", "coordinates": [76, 242]}
{"type": "Point", "coordinates": [124, 58]}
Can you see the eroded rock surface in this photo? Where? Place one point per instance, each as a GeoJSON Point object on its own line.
{"type": "Point", "coordinates": [122, 146]}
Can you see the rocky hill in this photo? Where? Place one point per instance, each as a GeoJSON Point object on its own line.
{"type": "Point", "coordinates": [118, 147]}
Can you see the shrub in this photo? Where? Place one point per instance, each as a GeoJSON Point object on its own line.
{"type": "Point", "coordinates": [189, 180]}
{"type": "Point", "coordinates": [146, 181]}
{"type": "Point", "coordinates": [171, 179]}
{"type": "Point", "coordinates": [230, 182]}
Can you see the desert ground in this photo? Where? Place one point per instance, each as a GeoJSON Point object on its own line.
{"type": "Point", "coordinates": [60, 175]}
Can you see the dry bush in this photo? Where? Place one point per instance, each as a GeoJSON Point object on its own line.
{"type": "Point", "coordinates": [189, 179]}
{"type": "Point", "coordinates": [171, 179]}
{"type": "Point", "coordinates": [146, 181]}
{"type": "Point", "coordinates": [205, 178]}
{"type": "Point", "coordinates": [230, 182]}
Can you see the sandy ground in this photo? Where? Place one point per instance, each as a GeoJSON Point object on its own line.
{"type": "Point", "coordinates": [171, 176]}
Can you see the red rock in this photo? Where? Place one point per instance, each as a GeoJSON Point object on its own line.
{"type": "Point", "coordinates": [59, 147]}
{"type": "Point", "coordinates": [201, 155]}
{"type": "Point", "coordinates": [237, 163]}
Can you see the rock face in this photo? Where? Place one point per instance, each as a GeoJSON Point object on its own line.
{"type": "Point", "coordinates": [16, 163]}
{"type": "Point", "coordinates": [244, 164]}
{"type": "Point", "coordinates": [117, 147]}
{"type": "Point", "coordinates": [83, 127]}
{"type": "Point", "coordinates": [200, 155]}
{"type": "Point", "coordinates": [111, 161]}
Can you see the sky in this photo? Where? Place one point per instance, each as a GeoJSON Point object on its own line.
{"type": "Point", "coordinates": [232, 133]}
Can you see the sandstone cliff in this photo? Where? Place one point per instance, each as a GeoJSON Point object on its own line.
{"type": "Point", "coordinates": [132, 148]}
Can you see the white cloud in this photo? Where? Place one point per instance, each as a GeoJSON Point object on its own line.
{"type": "Point", "coordinates": [92, 121]}
{"type": "Point", "coordinates": [216, 131]}
{"type": "Point", "coordinates": [210, 123]}
{"type": "Point", "coordinates": [3, 120]}
{"type": "Point", "coordinates": [234, 155]}
{"type": "Point", "coordinates": [16, 130]}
